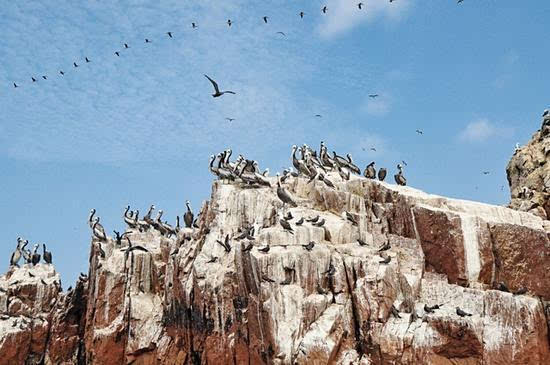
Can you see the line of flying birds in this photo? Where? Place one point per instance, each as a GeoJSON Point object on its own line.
{"type": "Point", "coordinates": [194, 25]}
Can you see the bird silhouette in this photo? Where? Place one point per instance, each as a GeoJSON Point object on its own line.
{"type": "Point", "coordinates": [318, 115]}
{"type": "Point", "coordinates": [265, 19]}
{"type": "Point", "coordinates": [33, 79]}
{"type": "Point", "coordinates": [126, 45]}
{"type": "Point", "coordinates": [74, 64]}
{"type": "Point", "coordinates": [229, 22]}
{"type": "Point", "coordinates": [62, 73]}
{"type": "Point", "coordinates": [15, 85]}
{"type": "Point", "coordinates": [360, 6]}
{"type": "Point", "coordinates": [169, 34]}
{"type": "Point", "coordinates": [44, 77]}
{"type": "Point", "coordinates": [87, 60]}
{"type": "Point", "coordinates": [217, 92]}
{"type": "Point", "coordinates": [117, 54]}
{"type": "Point", "coordinates": [194, 25]}
{"type": "Point", "coordinates": [419, 131]}
{"type": "Point", "coordinates": [147, 40]}
{"type": "Point", "coordinates": [302, 14]}
{"type": "Point", "coordinates": [230, 119]}
{"type": "Point", "coordinates": [324, 9]}
{"type": "Point", "coordinates": [283, 34]}
{"type": "Point", "coordinates": [486, 172]}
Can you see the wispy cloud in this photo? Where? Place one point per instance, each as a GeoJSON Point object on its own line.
{"type": "Point", "coordinates": [343, 15]}
{"type": "Point", "coordinates": [482, 130]}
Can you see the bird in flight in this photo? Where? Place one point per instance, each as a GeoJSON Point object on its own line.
{"type": "Point", "coordinates": [193, 25]}
{"type": "Point", "coordinates": [265, 19]}
{"type": "Point", "coordinates": [318, 115]}
{"type": "Point", "coordinates": [126, 45]}
{"type": "Point", "coordinates": [147, 40]}
{"type": "Point", "coordinates": [117, 53]}
{"type": "Point", "coordinates": [373, 149]}
{"type": "Point", "coordinates": [325, 9]}
{"type": "Point", "coordinates": [15, 85]}
{"type": "Point", "coordinates": [62, 73]}
{"type": "Point", "coordinates": [419, 131]}
{"type": "Point", "coordinates": [74, 64]}
{"type": "Point", "coordinates": [33, 79]}
{"type": "Point", "coordinates": [281, 33]}
{"type": "Point", "coordinates": [360, 6]}
{"type": "Point", "coordinates": [373, 96]}
{"type": "Point", "coordinates": [230, 119]}
{"type": "Point", "coordinates": [229, 22]}
{"type": "Point", "coordinates": [457, 1]}
{"type": "Point", "coordinates": [87, 60]}
{"type": "Point", "coordinates": [44, 77]}
{"type": "Point", "coordinates": [404, 163]}
{"type": "Point", "coordinates": [302, 14]}
{"type": "Point", "coordinates": [217, 92]}
{"type": "Point", "coordinates": [486, 172]}
{"type": "Point", "coordinates": [169, 34]}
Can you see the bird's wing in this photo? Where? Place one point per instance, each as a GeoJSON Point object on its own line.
{"type": "Point", "coordinates": [213, 83]}
{"type": "Point", "coordinates": [229, 92]}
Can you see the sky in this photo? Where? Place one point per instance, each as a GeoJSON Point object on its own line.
{"type": "Point", "coordinates": [138, 128]}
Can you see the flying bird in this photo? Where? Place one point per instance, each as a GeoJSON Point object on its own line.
{"type": "Point", "coordinates": [44, 77]}
{"type": "Point", "coordinates": [218, 93]}
{"type": "Point", "coordinates": [15, 85]}
{"type": "Point", "coordinates": [87, 60]}
{"type": "Point", "coordinates": [373, 149]}
{"type": "Point", "coordinates": [147, 40]}
{"type": "Point", "coordinates": [404, 163]}
{"type": "Point", "coordinates": [169, 34]}
{"type": "Point", "coordinates": [62, 73]}
{"type": "Point", "coordinates": [486, 172]}
{"type": "Point", "coordinates": [33, 79]}
{"type": "Point", "coordinates": [373, 96]}
{"type": "Point", "coordinates": [360, 6]}
{"type": "Point", "coordinates": [265, 19]}
{"type": "Point", "coordinates": [117, 53]}
{"type": "Point", "coordinates": [324, 9]}
{"type": "Point", "coordinates": [126, 45]}
{"type": "Point", "coordinates": [302, 14]}
{"type": "Point", "coordinates": [318, 115]}
{"type": "Point", "coordinates": [74, 64]}
{"type": "Point", "coordinates": [419, 131]}
{"type": "Point", "coordinates": [230, 119]}
{"type": "Point", "coordinates": [194, 25]}
{"type": "Point", "coordinates": [229, 22]}
{"type": "Point", "coordinates": [283, 34]}
{"type": "Point", "coordinates": [457, 1]}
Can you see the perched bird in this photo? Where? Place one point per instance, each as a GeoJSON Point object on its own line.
{"type": "Point", "coordinates": [286, 226]}
{"type": "Point", "coordinates": [361, 242]}
{"type": "Point", "coordinates": [300, 222]}
{"type": "Point", "coordinates": [264, 249]}
{"type": "Point", "coordinates": [331, 270]}
{"type": "Point", "coordinates": [431, 309]}
{"type": "Point", "coordinates": [386, 246]}
{"type": "Point", "coordinates": [225, 244]}
{"type": "Point", "coordinates": [188, 216]}
{"type": "Point", "coordinates": [313, 220]}
{"type": "Point", "coordinates": [288, 217]}
{"type": "Point", "coordinates": [309, 246]}
{"type": "Point", "coordinates": [399, 178]}
{"type": "Point", "coordinates": [320, 223]}
{"type": "Point", "coordinates": [382, 174]}
{"type": "Point", "coordinates": [217, 92]}
{"type": "Point", "coordinates": [324, 9]}
{"type": "Point", "coordinates": [385, 261]}
{"type": "Point", "coordinates": [268, 279]}
{"type": "Point", "coordinates": [461, 313]}
{"type": "Point", "coordinates": [265, 19]}
{"type": "Point", "coordinates": [283, 195]}
{"type": "Point", "coordinates": [502, 287]}
{"type": "Point", "coordinates": [351, 218]}
{"type": "Point", "coordinates": [169, 34]}
{"type": "Point", "coordinates": [212, 259]}
{"type": "Point", "coordinates": [248, 247]}
{"type": "Point", "coordinates": [370, 171]}
{"type": "Point", "coordinates": [521, 291]}
{"type": "Point", "coordinates": [35, 255]}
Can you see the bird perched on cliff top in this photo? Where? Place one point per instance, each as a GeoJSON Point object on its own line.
{"type": "Point", "coordinates": [283, 195]}
{"type": "Point", "coordinates": [351, 218]}
{"type": "Point", "coordinates": [399, 178]}
{"type": "Point", "coordinates": [217, 92]}
{"type": "Point", "coordinates": [327, 182]}
{"type": "Point", "coordinates": [264, 249]}
{"type": "Point", "coordinates": [119, 237]}
{"type": "Point", "coordinates": [188, 216]}
{"type": "Point", "coordinates": [309, 246]}
{"type": "Point", "coordinates": [521, 291]}
{"type": "Point", "coordinates": [288, 216]}
{"type": "Point", "coordinates": [313, 220]}
{"type": "Point", "coordinates": [16, 255]}
{"type": "Point", "coordinates": [286, 226]}
{"type": "Point", "coordinates": [98, 230]}
{"type": "Point", "coordinates": [431, 309]}
{"type": "Point", "coordinates": [35, 255]}
{"type": "Point", "coordinates": [370, 171]}
{"type": "Point", "coordinates": [47, 255]}
{"type": "Point", "coordinates": [386, 246]}
{"type": "Point", "coordinates": [248, 247]}
{"type": "Point", "coordinates": [212, 259]}
{"type": "Point", "coordinates": [461, 313]}
{"type": "Point", "coordinates": [502, 287]}
{"type": "Point", "coordinates": [300, 222]}
{"type": "Point", "coordinates": [382, 174]}
{"type": "Point", "coordinates": [320, 223]}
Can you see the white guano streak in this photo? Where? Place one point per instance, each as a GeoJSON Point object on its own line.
{"type": "Point", "coordinates": [471, 247]}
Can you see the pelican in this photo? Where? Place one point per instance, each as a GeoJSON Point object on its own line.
{"type": "Point", "coordinates": [98, 230]}
{"type": "Point", "coordinates": [299, 164]}
{"type": "Point", "coordinates": [91, 218]}
{"type": "Point", "coordinates": [147, 218]}
{"type": "Point", "coordinates": [339, 159]}
{"type": "Point", "coordinates": [382, 174]}
{"type": "Point", "coordinates": [16, 255]}
{"type": "Point", "coordinates": [35, 255]}
{"type": "Point", "coordinates": [213, 169]}
{"type": "Point", "coordinates": [128, 218]}
{"type": "Point", "coordinates": [284, 195]}
{"type": "Point", "coordinates": [26, 253]}
{"type": "Point", "coordinates": [46, 254]}
{"type": "Point", "coordinates": [188, 216]}
{"type": "Point", "coordinates": [370, 171]}
{"type": "Point", "coordinates": [399, 178]}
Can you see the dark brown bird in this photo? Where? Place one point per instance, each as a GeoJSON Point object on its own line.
{"type": "Point", "coordinates": [289, 216]}
{"type": "Point", "coordinates": [265, 19]}
{"type": "Point", "coordinates": [169, 34]}
{"type": "Point", "coordinates": [225, 244]}
{"type": "Point", "coordinates": [351, 218]}
{"type": "Point", "coordinates": [286, 226]}
{"type": "Point", "coordinates": [385, 261]}
{"type": "Point", "coordinates": [264, 249]}
{"type": "Point", "coordinates": [217, 92]}
{"type": "Point", "coordinates": [248, 247]}
{"type": "Point", "coordinates": [361, 242]}
{"type": "Point", "coordinates": [312, 220]}
{"type": "Point", "coordinates": [309, 246]}
{"type": "Point", "coordinates": [382, 174]}
{"type": "Point", "coordinates": [461, 313]}
{"type": "Point", "coordinates": [302, 14]}
{"type": "Point", "coordinates": [324, 9]}
{"type": "Point", "coordinates": [386, 246]}
{"type": "Point", "coordinates": [300, 222]}
{"type": "Point", "coordinates": [213, 259]}
{"type": "Point", "coordinates": [320, 223]}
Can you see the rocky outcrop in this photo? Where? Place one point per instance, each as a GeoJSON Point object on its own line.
{"type": "Point", "coordinates": [186, 300]}
{"type": "Point", "coordinates": [529, 174]}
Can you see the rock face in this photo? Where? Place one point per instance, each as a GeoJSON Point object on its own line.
{"type": "Point", "coordinates": [186, 300]}
{"type": "Point", "coordinates": [529, 174]}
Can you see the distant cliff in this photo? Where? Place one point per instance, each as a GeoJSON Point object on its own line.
{"type": "Point", "coordinates": [187, 301]}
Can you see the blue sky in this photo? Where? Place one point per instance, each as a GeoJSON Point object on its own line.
{"type": "Point", "coordinates": [138, 129]}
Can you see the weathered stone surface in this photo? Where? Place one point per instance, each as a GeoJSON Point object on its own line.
{"type": "Point", "coordinates": [174, 304]}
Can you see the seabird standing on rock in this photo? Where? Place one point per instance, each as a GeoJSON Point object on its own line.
{"type": "Point", "coordinates": [351, 218]}
{"type": "Point", "coordinates": [521, 291]}
{"type": "Point", "coordinates": [331, 270]}
{"type": "Point", "coordinates": [217, 92]}
{"type": "Point", "coordinates": [361, 242]}
{"type": "Point", "coordinates": [286, 226]}
{"type": "Point", "coordinates": [288, 216]}
{"type": "Point", "coordinates": [461, 313]}
{"type": "Point", "coordinates": [35, 255]}
{"type": "Point", "coordinates": [264, 249]}
{"type": "Point", "coordinates": [386, 246]}
{"type": "Point", "coordinates": [119, 237]}
{"type": "Point", "coordinates": [225, 244]}
{"type": "Point", "coordinates": [16, 255]}
{"type": "Point", "coordinates": [188, 216]}
{"type": "Point", "coordinates": [399, 178]}
{"type": "Point", "coordinates": [47, 255]}
{"type": "Point", "coordinates": [284, 195]}
{"type": "Point", "coordinates": [300, 222]}
{"type": "Point", "coordinates": [309, 246]}
{"type": "Point", "coordinates": [395, 312]}
{"type": "Point", "coordinates": [91, 218]}
{"type": "Point", "coordinates": [98, 230]}
{"type": "Point", "coordinates": [320, 223]}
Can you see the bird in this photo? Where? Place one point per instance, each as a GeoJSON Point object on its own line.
{"type": "Point", "coordinates": [266, 278]}
{"type": "Point", "coordinates": [386, 246]}
{"type": "Point", "coordinates": [248, 247]}
{"type": "Point", "coordinates": [457, 1]}
{"type": "Point", "coordinates": [385, 261]}
{"type": "Point", "coordinates": [382, 174]}
{"type": "Point", "coordinates": [351, 218]}
{"type": "Point", "coordinates": [216, 88]}
{"type": "Point", "coordinates": [419, 131]}
{"type": "Point", "coordinates": [264, 249]}
{"type": "Point", "coordinates": [33, 79]}
{"type": "Point", "coordinates": [361, 242]}
{"type": "Point", "coordinates": [324, 9]}
{"type": "Point", "coordinates": [119, 237]}
{"type": "Point", "coordinates": [188, 216]}
{"type": "Point", "coordinates": [431, 309]}
{"type": "Point", "coordinates": [302, 14]}
{"type": "Point", "coordinates": [281, 33]}
{"type": "Point", "coordinates": [486, 172]}
{"type": "Point", "coordinates": [327, 182]}
{"type": "Point", "coordinates": [546, 112]}
{"type": "Point", "coordinates": [126, 45]}
{"type": "Point", "coordinates": [265, 19]}
{"type": "Point", "coordinates": [74, 64]}
{"type": "Point", "coordinates": [169, 34]}
{"type": "Point", "coordinates": [16, 255]}
{"type": "Point", "coordinates": [225, 244]}
{"type": "Point", "coordinates": [318, 115]}
{"type": "Point", "coordinates": [44, 77]}
{"type": "Point", "coordinates": [117, 53]}
{"type": "Point", "coordinates": [399, 178]}
{"type": "Point", "coordinates": [309, 246]}
{"type": "Point", "coordinates": [229, 22]}
{"type": "Point", "coordinates": [147, 40]}
{"type": "Point", "coordinates": [87, 60]}
{"type": "Point", "coordinates": [404, 163]}
{"type": "Point", "coordinates": [300, 222]}
{"type": "Point", "coordinates": [320, 223]}
{"type": "Point", "coordinates": [286, 281]}
{"type": "Point", "coordinates": [194, 25]}
{"type": "Point", "coordinates": [370, 171]}
{"type": "Point", "coordinates": [313, 220]}
{"type": "Point", "coordinates": [286, 226]}
{"type": "Point", "coordinates": [288, 216]}
{"type": "Point", "coordinates": [283, 195]}
{"type": "Point", "coordinates": [373, 96]}
{"type": "Point", "coordinates": [35, 255]}
{"type": "Point", "coordinates": [331, 270]}
{"type": "Point", "coordinates": [395, 312]}
{"type": "Point", "coordinates": [62, 73]}
{"type": "Point", "coordinates": [360, 5]}
{"type": "Point", "coordinates": [373, 149]}
{"type": "Point", "coordinates": [461, 313]}
{"type": "Point", "coordinates": [230, 119]}
{"type": "Point", "coordinates": [47, 255]}
{"type": "Point", "coordinates": [212, 259]}
{"type": "Point", "coordinates": [502, 287]}
{"type": "Point", "coordinates": [15, 85]}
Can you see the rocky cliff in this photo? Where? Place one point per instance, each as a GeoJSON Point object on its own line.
{"type": "Point", "coordinates": [186, 300]}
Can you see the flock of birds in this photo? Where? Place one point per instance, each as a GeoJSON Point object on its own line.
{"type": "Point", "coordinates": [30, 257]}
{"type": "Point", "coordinates": [171, 34]}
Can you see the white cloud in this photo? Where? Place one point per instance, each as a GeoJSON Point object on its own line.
{"type": "Point", "coordinates": [343, 15]}
{"type": "Point", "coordinates": [482, 130]}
